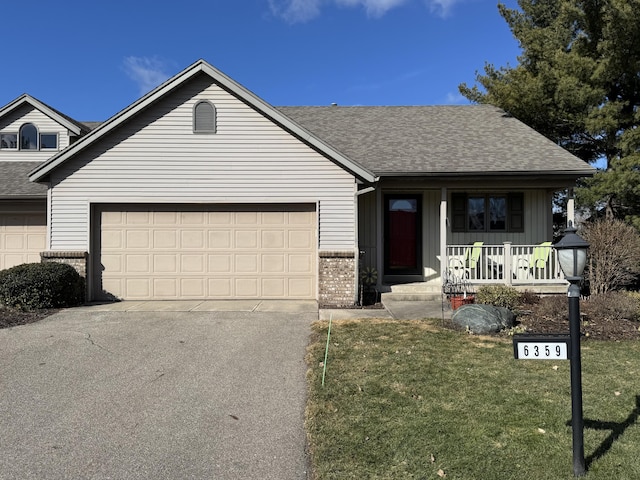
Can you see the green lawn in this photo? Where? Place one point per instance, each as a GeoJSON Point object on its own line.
{"type": "Point", "coordinates": [412, 400]}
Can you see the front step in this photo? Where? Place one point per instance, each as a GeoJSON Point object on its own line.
{"type": "Point", "coordinates": [411, 292]}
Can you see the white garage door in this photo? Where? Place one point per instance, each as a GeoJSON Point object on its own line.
{"type": "Point", "coordinates": [22, 238]}
{"type": "Point", "coordinates": [207, 252]}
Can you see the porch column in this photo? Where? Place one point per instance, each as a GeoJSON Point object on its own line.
{"type": "Point", "coordinates": [571, 207]}
{"type": "Point", "coordinates": [443, 231]}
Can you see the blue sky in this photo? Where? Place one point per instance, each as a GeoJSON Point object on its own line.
{"type": "Point", "coordinates": [91, 59]}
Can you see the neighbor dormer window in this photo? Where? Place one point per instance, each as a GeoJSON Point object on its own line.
{"type": "Point", "coordinates": [48, 141]}
{"type": "Point", "coordinates": [204, 117]}
{"type": "Point", "coordinates": [8, 141]}
{"type": "Point", "coordinates": [28, 137]}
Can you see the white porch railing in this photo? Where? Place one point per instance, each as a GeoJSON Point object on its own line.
{"type": "Point", "coordinates": [507, 263]}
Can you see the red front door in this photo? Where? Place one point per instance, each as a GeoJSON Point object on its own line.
{"type": "Point", "coordinates": [402, 234]}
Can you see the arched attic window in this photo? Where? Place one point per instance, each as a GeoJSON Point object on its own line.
{"type": "Point", "coordinates": [204, 117]}
{"type": "Point", "coordinates": [28, 137]}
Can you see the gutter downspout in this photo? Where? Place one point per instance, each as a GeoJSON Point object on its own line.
{"type": "Point", "coordinates": [357, 248]}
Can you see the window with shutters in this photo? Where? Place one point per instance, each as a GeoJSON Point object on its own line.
{"type": "Point", "coordinates": [487, 212]}
{"type": "Point", "coordinates": [204, 117]}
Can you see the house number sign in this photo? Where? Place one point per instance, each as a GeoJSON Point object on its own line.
{"type": "Point", "coordinates": [541, 347]}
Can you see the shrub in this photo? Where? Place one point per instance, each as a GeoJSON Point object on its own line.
{"type": "Point", "coordinates": [498, 296]}
{"type": "Point", "coordinates": [611, 306]}
{"type": "Point", "coordinates": [603, 307]}
{"type": "Point", "coordinates": [41, 285]}
{"type": "Point", "coordinates": [553, 307]}
{"type": "Point", "coordinates": [614, 255]}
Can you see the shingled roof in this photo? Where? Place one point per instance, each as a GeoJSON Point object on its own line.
{"type": "Point", "coordinates": [436, 140]}
{"type": "Point", "coordinates": [14, 181]}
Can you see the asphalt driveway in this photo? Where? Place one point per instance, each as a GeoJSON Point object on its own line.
{"type": "Point", "coordinates": [214, 394]}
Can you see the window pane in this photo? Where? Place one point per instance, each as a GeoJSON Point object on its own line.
{"type": "Point", "coordinates": [403, 205]}
{"type": "Point", "coordinates": [497, 213]}
{"type": "Point", "coordinates": [476, 213]}
{"type": "Point", "coordinates": [8, 140]}
{"type": "Point", "coordinates": [28, 137]}
{"type": "Point", "coordinates": [48, 140]}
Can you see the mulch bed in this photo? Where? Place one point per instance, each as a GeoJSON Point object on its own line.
{"type": "Point", "coordinates": [620, 329]}
{"type": "Point", "coordinates": [10, 317]}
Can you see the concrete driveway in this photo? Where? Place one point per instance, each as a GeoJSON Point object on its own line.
{"type": "Point", "coordinates": [141, 391]}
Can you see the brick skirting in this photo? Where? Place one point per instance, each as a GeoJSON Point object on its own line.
{"type": "Point", "coordinates": [77, 260]}
{"type": "Point", "coordinates": [336, 278]}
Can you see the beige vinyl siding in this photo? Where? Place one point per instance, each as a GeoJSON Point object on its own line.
{"type": "Point", "coordinates": [12, 122]}
{"type": "Point", "coordinates": [156, 157]}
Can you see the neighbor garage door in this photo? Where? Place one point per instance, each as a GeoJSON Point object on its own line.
{"type": "Point", "coordinates": [198, 252]}
{"type": "Point", "coordinates": [22, 238]}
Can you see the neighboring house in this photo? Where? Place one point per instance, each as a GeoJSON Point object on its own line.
{"type": "Point", "coordinates": [30, 133]}
{"type": "Point", "coordinates": [201, 190]}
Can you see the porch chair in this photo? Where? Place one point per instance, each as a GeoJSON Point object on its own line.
{"type": "Point", "coordinates": [467, 268]}
{"type": "Point", "coordinates": [537, 261]}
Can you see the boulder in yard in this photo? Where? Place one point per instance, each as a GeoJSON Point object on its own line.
{"type": "Point", "coordinates": [481, 319]}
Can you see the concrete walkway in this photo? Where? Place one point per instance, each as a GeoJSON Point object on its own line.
{"type": "Point", "coordinates": [393, 309]}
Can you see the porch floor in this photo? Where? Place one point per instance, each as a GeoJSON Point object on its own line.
{"type": "Point", "coordinates": [429, 291]}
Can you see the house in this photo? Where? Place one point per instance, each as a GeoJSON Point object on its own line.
{"type": "Point", "coordinates": [200, 189]}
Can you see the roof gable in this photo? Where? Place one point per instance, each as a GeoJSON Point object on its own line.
{"type": "Point", "coordinates": [70, 124]}
{"type": "Point", "coordinates": [228, 84]}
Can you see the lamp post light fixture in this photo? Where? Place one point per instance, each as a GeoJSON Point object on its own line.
{"type": "Point", "coordinates": [572, 255]}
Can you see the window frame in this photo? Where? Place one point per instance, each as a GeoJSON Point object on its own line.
{"type": "Point", "coordinates": [15, 134]}
{"type": "Point", "coordinates": [20, 137]}
{"type": "Point", "coordinates": [213, 120]}
{"type": "Point", "coordinates": [48, 134]}
{"type": "Point", "coordinates": [514, 212]}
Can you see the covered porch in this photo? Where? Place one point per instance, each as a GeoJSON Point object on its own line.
{"type": "Point", "coordinates": [517, 265]}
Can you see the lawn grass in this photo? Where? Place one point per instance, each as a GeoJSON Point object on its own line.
{"type": "Point", "coordinates": [413, 400]}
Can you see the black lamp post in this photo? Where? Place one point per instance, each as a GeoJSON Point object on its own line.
{"type": "Point", "coordinates": [572, 255]}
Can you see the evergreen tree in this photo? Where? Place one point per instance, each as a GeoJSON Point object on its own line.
{"type": "Point", "coordinates": [578, 83]}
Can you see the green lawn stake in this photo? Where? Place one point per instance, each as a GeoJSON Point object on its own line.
{"type": "Point", "coordinates": [326, 350]}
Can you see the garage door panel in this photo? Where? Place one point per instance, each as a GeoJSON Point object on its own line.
{"type": "Point", "coordinates": [192, 263]}
{"type": "Point", "coordinates": [273, 263]}
{"type": "Point", "coordinates": [246, 239]}
{"type": "Point", "coordinates": [165, 263]}
{"type": "Point", "coordinates": [301, 264]}
{"type": "Point", "coordinates": [246, 287]}
{"type": "Point", "coordinates": [274, 287]}
{"type": "Point", "coordinates": [300, 287]}
{"type": "Point", "coordinates": [273, 239]}
{"type": "Point", "coordinates": [137, 263]}
{"type": "Point", "coordinates": [220, 287]}
{"type": "Point", "coordinates": [22, 237]}
{"type": "Point", "coordinates": [220, 263]}
{"type": "Point", "coordinates": [207, 253]}
{"type": "Point", "coordinates": [192, 239]}
{"type": "Point", "coordinates": [165, 238]}
{"type": "Point", "coordinates": [138, 239]}
{"type": "Point", "coordinates": [301, 239]}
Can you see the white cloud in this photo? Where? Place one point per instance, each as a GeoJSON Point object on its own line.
{"type": "Point", "coordinates": [295, 11]}
{"type": "Point", "coordinates": [298, 11]}
{"type": "Point", "coordinates": [442, 7]}
{"type": "Point", "coordinates": [374, 8]}
{"type": "Point", "coordinates": [147, 72]}
{"type": "Point", "coordinates": [456, 99]}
